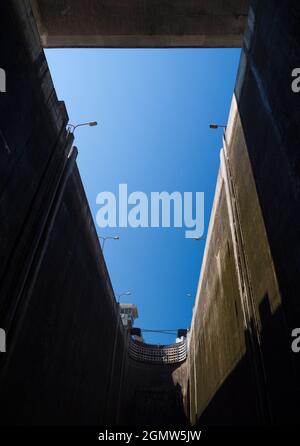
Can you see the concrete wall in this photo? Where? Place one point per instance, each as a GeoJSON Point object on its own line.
{"type": "Point", "coordinates": [267, 104]}
{"type": "Point", "coordinates": [218, 360]}
{"type": "Point", "coordinates": [66, 356]}
{"type": "Point", "coordinates": [241, 369]}
{"type": "Point", "coordinates": [65, 341]}
{"type": "Point", "coordinates": [152, 395]}
{"type": "Point", "coordinates": [139, 23]}
{"type": "Point", "coordinates": [226, 373]}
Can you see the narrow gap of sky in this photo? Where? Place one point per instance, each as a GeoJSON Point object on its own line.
{"type": "Point", "coordinates": [153, 108]}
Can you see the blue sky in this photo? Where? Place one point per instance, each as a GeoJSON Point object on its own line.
{"type": "Point", "coordinates": [153, 109]}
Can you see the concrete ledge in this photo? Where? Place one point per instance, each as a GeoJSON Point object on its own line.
{"type": "Point", "coordinates": [137, 23]}
{"type": "Point", "coordinates": [139, 41]}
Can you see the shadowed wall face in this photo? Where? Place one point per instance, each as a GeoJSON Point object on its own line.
{"type": "Point", "coordinates": [269, 112]}
{"type": "Point", "coordinates": [153, 396]}
{"type": "Point", "coordinates": [65, 340]}
{"type": "Point", "coordinates": [139, 23]}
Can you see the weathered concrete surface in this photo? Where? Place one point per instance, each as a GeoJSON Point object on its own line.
{"type": "Point", "coordinates": [66, 359]}
{"type": "Point", "coordinates": [152, 395]}
{"type": "Point", "coordinates": [241, 369]}
{"type": "Point", "coordinates": [233, 372]}
{"type": "Point", "coordinates": [141, 23]}
{"type": "Point", "coordinates": [219, 388]}
{"type": "Point", "coordinates": [66, 346]}
{"type": "Point", "coordinates": [269, 113]}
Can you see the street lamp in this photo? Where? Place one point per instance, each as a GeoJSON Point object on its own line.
{"type": "Point", "coordinates": [116, 237]}
{"type": "Point", "coordinates": [72, 127]}
{"type": "Point", "coordinates": [126, 293]}
{"type": "Point", "coordinates": [216, 126]}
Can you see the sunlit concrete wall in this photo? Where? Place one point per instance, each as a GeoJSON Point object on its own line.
{"type": "Point", "coordinates": [223, 384]}
{"type": "Point", "coordinates": [217, 342]}
{"type": "Point", "coordinates": [241, 368]}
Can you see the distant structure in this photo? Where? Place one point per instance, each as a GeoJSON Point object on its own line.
{"type": "Point", "coordinates": [136, 334]}
{"type": "Point", "coordinates": [129, 313]}
{"type": "Point", "coordinates": [158, 354]}
{"type": "Point", "coordinates": [151, 353]}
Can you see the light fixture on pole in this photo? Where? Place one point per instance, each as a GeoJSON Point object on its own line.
{"type": "Point", "coordinates": [216, 126]}
{"type": "Point", "coordinates": [126, 293]}
{"type": "Point", "coordinates": [116, 237]}
{"type": "Point", "coordinates": [72, 127]}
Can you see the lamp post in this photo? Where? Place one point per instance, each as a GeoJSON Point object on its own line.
{"type": "Point", "coordinates": [126, 293]}
{"type": "Point", "coordinates": [72, 127]}
{"type": "Point", "coordinates": [216, 126]}
{"type": "Point", "coordinates": [116, 237]}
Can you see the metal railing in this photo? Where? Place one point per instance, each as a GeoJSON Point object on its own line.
{"type": "Point", "coordinates": [158, 354]}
